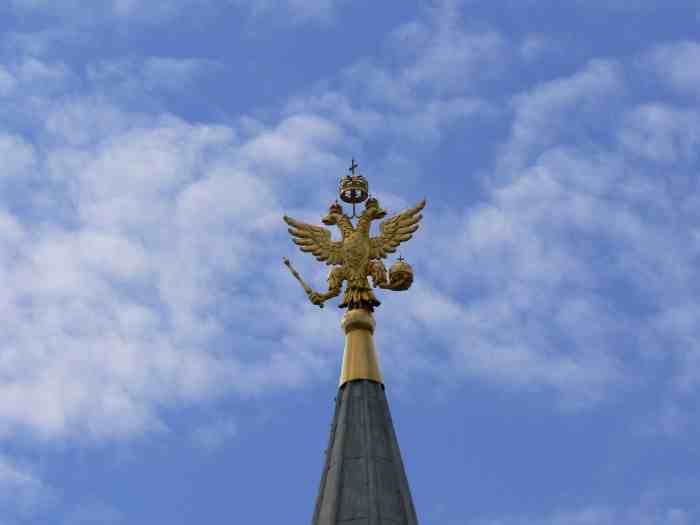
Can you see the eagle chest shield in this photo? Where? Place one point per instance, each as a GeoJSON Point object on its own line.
{"type": "Point", "coordinates": [356, 250]}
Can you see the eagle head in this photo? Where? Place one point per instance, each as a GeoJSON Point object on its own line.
{"type": "Point", "coordinates": [373, 209]}
{"type": "Point", "coordinates": [334, 210]}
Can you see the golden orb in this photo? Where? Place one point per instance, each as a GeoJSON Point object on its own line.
{"type": "Point", "coordinates": [400, 275]}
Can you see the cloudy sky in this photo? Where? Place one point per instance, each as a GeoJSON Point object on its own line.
{"type": "Point", "coordinates": [159, 365]}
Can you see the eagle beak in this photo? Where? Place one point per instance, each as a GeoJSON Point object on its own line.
{"type": "Point", "coordinates": [380, 213]}
{"type": "Point", "coordinates": [328, 220]}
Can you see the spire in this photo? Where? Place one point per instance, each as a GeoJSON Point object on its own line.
{"type": "Point", "coordinates": [363, 480]}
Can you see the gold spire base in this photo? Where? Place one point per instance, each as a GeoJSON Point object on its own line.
{"type": "Point", "coordinates": [360, 359]}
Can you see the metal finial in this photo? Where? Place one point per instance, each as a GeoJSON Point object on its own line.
{"type": "Point", "coordinates": [353, 188]}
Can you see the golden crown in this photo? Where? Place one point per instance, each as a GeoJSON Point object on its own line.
{"type": "Point", "coordinates": [353, 188]}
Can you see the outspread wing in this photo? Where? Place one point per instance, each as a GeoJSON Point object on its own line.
{"type": "Point", "coordinates": [316, 240]}
{"type": "Point", "coordinates": [395, 230]}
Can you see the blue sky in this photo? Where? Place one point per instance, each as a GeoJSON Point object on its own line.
{"type": "Point", "coordinates": [159, 365]}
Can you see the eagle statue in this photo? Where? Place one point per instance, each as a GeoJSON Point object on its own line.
{"type": "Point", "coordinates": [357, 256]}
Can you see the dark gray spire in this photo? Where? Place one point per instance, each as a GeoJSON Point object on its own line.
{"type": "Point", "coordinates": [363, 480]}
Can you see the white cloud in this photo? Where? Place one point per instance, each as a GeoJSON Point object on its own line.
{"type": "Point", "coordinates": [549, 111]}
{"type": "Point", "coordinates": [120, 9]}
{"type": "Point", "coordinates": [134, 10]}
{"type": "Point", "coordinates": [671, 420]}
{"type": "Point", "coordinates": [145, 269]}
{"type": "Point", "coordinates": [22, 493]}
{"type": "Point", "coordinates": [29, 75]}
{"type": "Point", "coordinates": [540, 285]}
{"type": "Point", "coordinates": [534, 46]}
{"type": "Point", "coordinates": [7, 82]}
{"type": "Point", "coordinates": [662, 133]}
{"type": "Point", "coordinates": [676, 64]}
{"type": "Point", "coordinates": [437, 59]}
{"type": "Point", "coordinates": [127, 281]}
{"type": "Point", "coordinates": [602, 515]}
{"type": "Point", "coordinates": [300, 10]}
{"type": "Point", "coordinates": [451, 58]}
{"type": "Point", "coordinates": [18, 156]}
{"type": "Point", "coordinates": [299, 139]}
{"type": "Point", "coordinates": [427, 83]}
{"type": "Point", "coordinates": [215, 435]}
{"type": "Point", "coordinates": [137, 78]}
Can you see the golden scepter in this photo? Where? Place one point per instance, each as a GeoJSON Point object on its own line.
{"type": "Point", "coordinates": [305, 286]}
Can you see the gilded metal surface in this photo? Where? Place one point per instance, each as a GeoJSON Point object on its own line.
{"type": "Point", "coordinates": [353, 188]}
{"type": "Point", "coordinates": [363, 481]}
{"type": "Point", "coordinates": [296, 275]}
{"type": "Point", "coordinates": [357, 256]}
{"type": "Point", "coordinates": [360, 359]}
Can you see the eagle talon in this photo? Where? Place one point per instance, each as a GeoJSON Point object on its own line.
{"type": "Point", "coordinates": [317, 299]}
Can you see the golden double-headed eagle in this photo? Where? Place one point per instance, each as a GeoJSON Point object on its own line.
{"type": "Point", "coordinates": [357, 256]}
